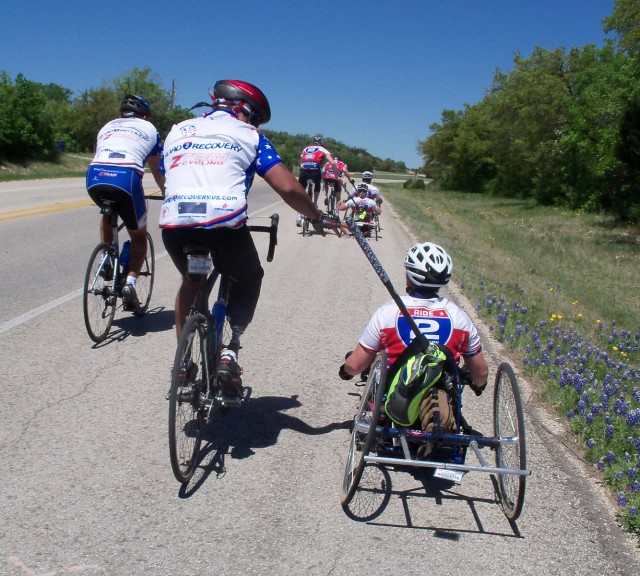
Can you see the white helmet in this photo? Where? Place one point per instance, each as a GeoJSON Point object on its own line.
{"type": "Point", "coordinates": [367, 175]}
{"type": "Point", "coordinates": [428, 265]}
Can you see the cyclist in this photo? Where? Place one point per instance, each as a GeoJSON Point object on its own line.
{"type": "Point", "coordinates": [210, 164]}
{"type": "Point", "coordinates": [428, 268]}
{"type": "Point", "coordinates": [335, 175]}
{"type": "Point", "coordinates": [311, 160]}
{"type": "Point", "coordinates": [362, 209]}
{"type": "Point", "coordinates": [374, 193]}
{"type": "Point", "coordinates": [123, 147]}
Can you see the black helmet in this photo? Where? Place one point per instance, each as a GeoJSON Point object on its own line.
{"type": "Point", "coordinates": [427, 264]}
{"type": "Point", "coordinates": [246, 95]}
{"type": "Point", "coordinates": [319, 140]}
{"type": "Point", "coordinates": [133, 105]}
{"type": "Point", "coordinates": [363, 188]}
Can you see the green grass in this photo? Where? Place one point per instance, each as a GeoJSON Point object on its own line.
{"type": "Point", "coordinates": [560, 289]}
{"type": "Point", "coordinates": [67, 165]}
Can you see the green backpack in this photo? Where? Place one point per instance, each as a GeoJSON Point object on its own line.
{"type": "Point", "coordinates": [410, 381]}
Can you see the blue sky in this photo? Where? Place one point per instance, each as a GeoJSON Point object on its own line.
{"type": "Point", "coordinates": [373, 74]}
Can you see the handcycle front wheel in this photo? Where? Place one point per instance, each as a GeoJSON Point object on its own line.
{"type": "Point", "coordinates": [364, 428]}
{"type": "Point", "coordinates": [98, 299]}
{"type": "Point", "coordinates": [189, 377]}
{"type": "Point", "coordinates": [508, 424]}
{"type": "Point", "coordinates": [144, 282]}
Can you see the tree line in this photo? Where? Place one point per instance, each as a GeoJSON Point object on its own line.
{"type": "Point", "coordinates": [36, 118]}
{"type": "Point", "coordinates": [562, 128]}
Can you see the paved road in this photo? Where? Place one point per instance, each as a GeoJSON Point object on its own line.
{"type": "Point", "coordinates": [86, 482]}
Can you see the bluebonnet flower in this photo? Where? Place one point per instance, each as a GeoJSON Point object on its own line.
{"type": "Point", "coordinates": [633, 417]}
{"type": "Point", "coordinates": [591, 443]}
{"type": "Point", "coordinates": [610, 457]}
{"type": "Point", "coordinates": [633, 511]}
{"type": "Point", "coordinates": [609, 432]}
{"type": "Point", "coordinates": [621, 499]}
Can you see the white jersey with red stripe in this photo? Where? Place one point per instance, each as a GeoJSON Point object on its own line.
{"type": "Point", "coordinates": [209, 165]}
{"type": "Point", "coordinates": [127, 142]}
{"type": "Point", "coordinates": [373, 192]}
{"type": "Point", "coordinates": [439, 319]}
{"type": "Point", "coordinates": [357, 204]}
{"type": "Point", "coordinates": [312, 157]}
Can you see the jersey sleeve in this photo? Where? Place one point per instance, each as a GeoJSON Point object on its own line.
{"type": "Point", "coordinates": [267, 156]}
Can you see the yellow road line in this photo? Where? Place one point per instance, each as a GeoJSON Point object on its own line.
{"type": "Point", "coordinates": [45, 209]}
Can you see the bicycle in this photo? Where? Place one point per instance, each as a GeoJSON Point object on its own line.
{"type": "Point", "coordinates": [305, 220]}
{"type": "Point", "coordinates": [376, 439]}
{"type": "Point", "coordinates": [106, 275]}
{"type": "Point", "coordinates": [196, 396]}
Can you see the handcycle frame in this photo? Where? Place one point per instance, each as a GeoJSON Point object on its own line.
{"type": "Point", "coordinates": [101, 293]}
{"type": "Point", "coordinates": [196, 395]}
{"type": "Point", "coordinates": [395, 445]}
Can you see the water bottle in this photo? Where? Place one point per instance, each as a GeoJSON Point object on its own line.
{"type": "Point", "coordinates": [124, 255]}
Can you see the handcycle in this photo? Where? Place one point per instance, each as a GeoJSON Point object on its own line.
{"type": "Point", "coordinates": [378, 440]}
{"type": "Point", "coordinates": [196, 394]}
{"type": "Point", "coordinates": [106, 275]}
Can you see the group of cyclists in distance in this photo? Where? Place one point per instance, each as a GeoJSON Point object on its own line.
{"type": "Point", "coordinates": [323, 169]}
{"type": "Point", "coordinates": [205, 169]}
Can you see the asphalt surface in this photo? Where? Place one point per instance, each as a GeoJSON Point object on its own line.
{"type": "Point", "coordinates": [86, 482]}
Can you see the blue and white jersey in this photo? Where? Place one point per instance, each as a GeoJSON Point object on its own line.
{"type": "Point", "coordinates": [209, 165]}
{"type": "Point", "coordinates": [127, 142]}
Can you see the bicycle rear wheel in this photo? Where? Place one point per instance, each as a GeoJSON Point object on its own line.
{"type": "Point", "coordinates": [144, 282]}
{"type": "Point", "coordinates": [508, 423]}
{"type": "Point", "coordinates": [364, 428]}
{"type": "Point", "coordinates": [189, 377]}
{"type": "Point", "coordinates": [305, 226]}
{"type": "Point", "coordinates": [98, 298]}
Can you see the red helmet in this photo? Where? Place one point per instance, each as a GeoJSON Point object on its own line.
{"type": "Point", "coordinates": [246, 95]}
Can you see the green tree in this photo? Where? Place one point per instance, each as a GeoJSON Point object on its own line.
{"type": "Point", "coordinates": [27, 129]}
{"type": "Point", "coordinates": [624, 21]}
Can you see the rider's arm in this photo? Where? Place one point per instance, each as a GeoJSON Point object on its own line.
{"type": "Point", "coordinates": [154, 165]}
{"type": "Point", "coordinates": [359, 360]}
{"type": "Point", "coordinates": [291, 191]}
{"type": "Point", "coordinates": [478, 370]}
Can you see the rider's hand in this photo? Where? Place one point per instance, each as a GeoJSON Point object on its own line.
{"type": "Point", "coordinates": [465, 375]}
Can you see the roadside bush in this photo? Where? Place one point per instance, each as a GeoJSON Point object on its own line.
{"type": "Point", "coordinates": [414, 184]}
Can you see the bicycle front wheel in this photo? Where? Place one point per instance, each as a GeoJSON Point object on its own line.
{"type": "Point", "coordinates": [189, 377]}
{"type": "Point", "coordinates": [98, 298]}
{"type": "Point", "coordinates": [144, 282]}
{"type": "Point", "coordinates": [364, 428]}
{"type": "Point", "coordinates": [508, 425]}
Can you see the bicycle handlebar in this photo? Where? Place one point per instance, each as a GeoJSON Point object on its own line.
{"type": "Point", "coordinates": [273, 234]}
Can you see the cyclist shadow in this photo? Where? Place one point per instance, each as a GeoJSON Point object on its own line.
{"type": "Point", "coordinates": [155, 320]}
{"type": "Point", "coordinates": [238, 432]}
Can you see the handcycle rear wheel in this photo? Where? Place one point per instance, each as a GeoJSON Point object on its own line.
{"type": "Point", "coordinates": [189, 377]}
{"type": "Point", "coordinates": [98, 299]}
{"type": "Point", "coordinates": [363, 440]}
{"type": "Point", "coordinates": [508, 422]}
{"type": "Point", "coordinates": [144, 282]}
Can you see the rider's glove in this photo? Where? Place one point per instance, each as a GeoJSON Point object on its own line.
{"type": "Point", "coordinates": [344, 374]}
{"type": "Point", "coordinates": [318, 224]}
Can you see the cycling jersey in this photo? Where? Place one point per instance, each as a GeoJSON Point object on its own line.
{"type": "Point", "coordinates": [328, 173]}
{"type": "Point", "coordinates": [373, 193]}
{"type": "Point", "coordinates": [209, 164]}
{"type": "Point", "coordinates": [127, 142]}
{"type": "Point", "coordinates": [363, 205]}
{"type": "Point", "coordinates": [312, 157]}
{"type": "Point", "coordinates": [439, 319]}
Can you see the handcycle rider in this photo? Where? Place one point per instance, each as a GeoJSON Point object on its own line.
{"type": "Point", "coordinates": [428, 268]}
{"type": "Point", "coordinates": [373, 191]}
{"type": "Point", "coordinates": [210, 163]}
{"type": "Point", "coordinates": [362, 209]}
{"type": "Point", "coordinates": [124, 146]}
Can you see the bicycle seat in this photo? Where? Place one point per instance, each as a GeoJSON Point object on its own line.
{"type": "Point", "coordinates": [193, 248]}
{"type": "Point", "coordinates": [108, 206]}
